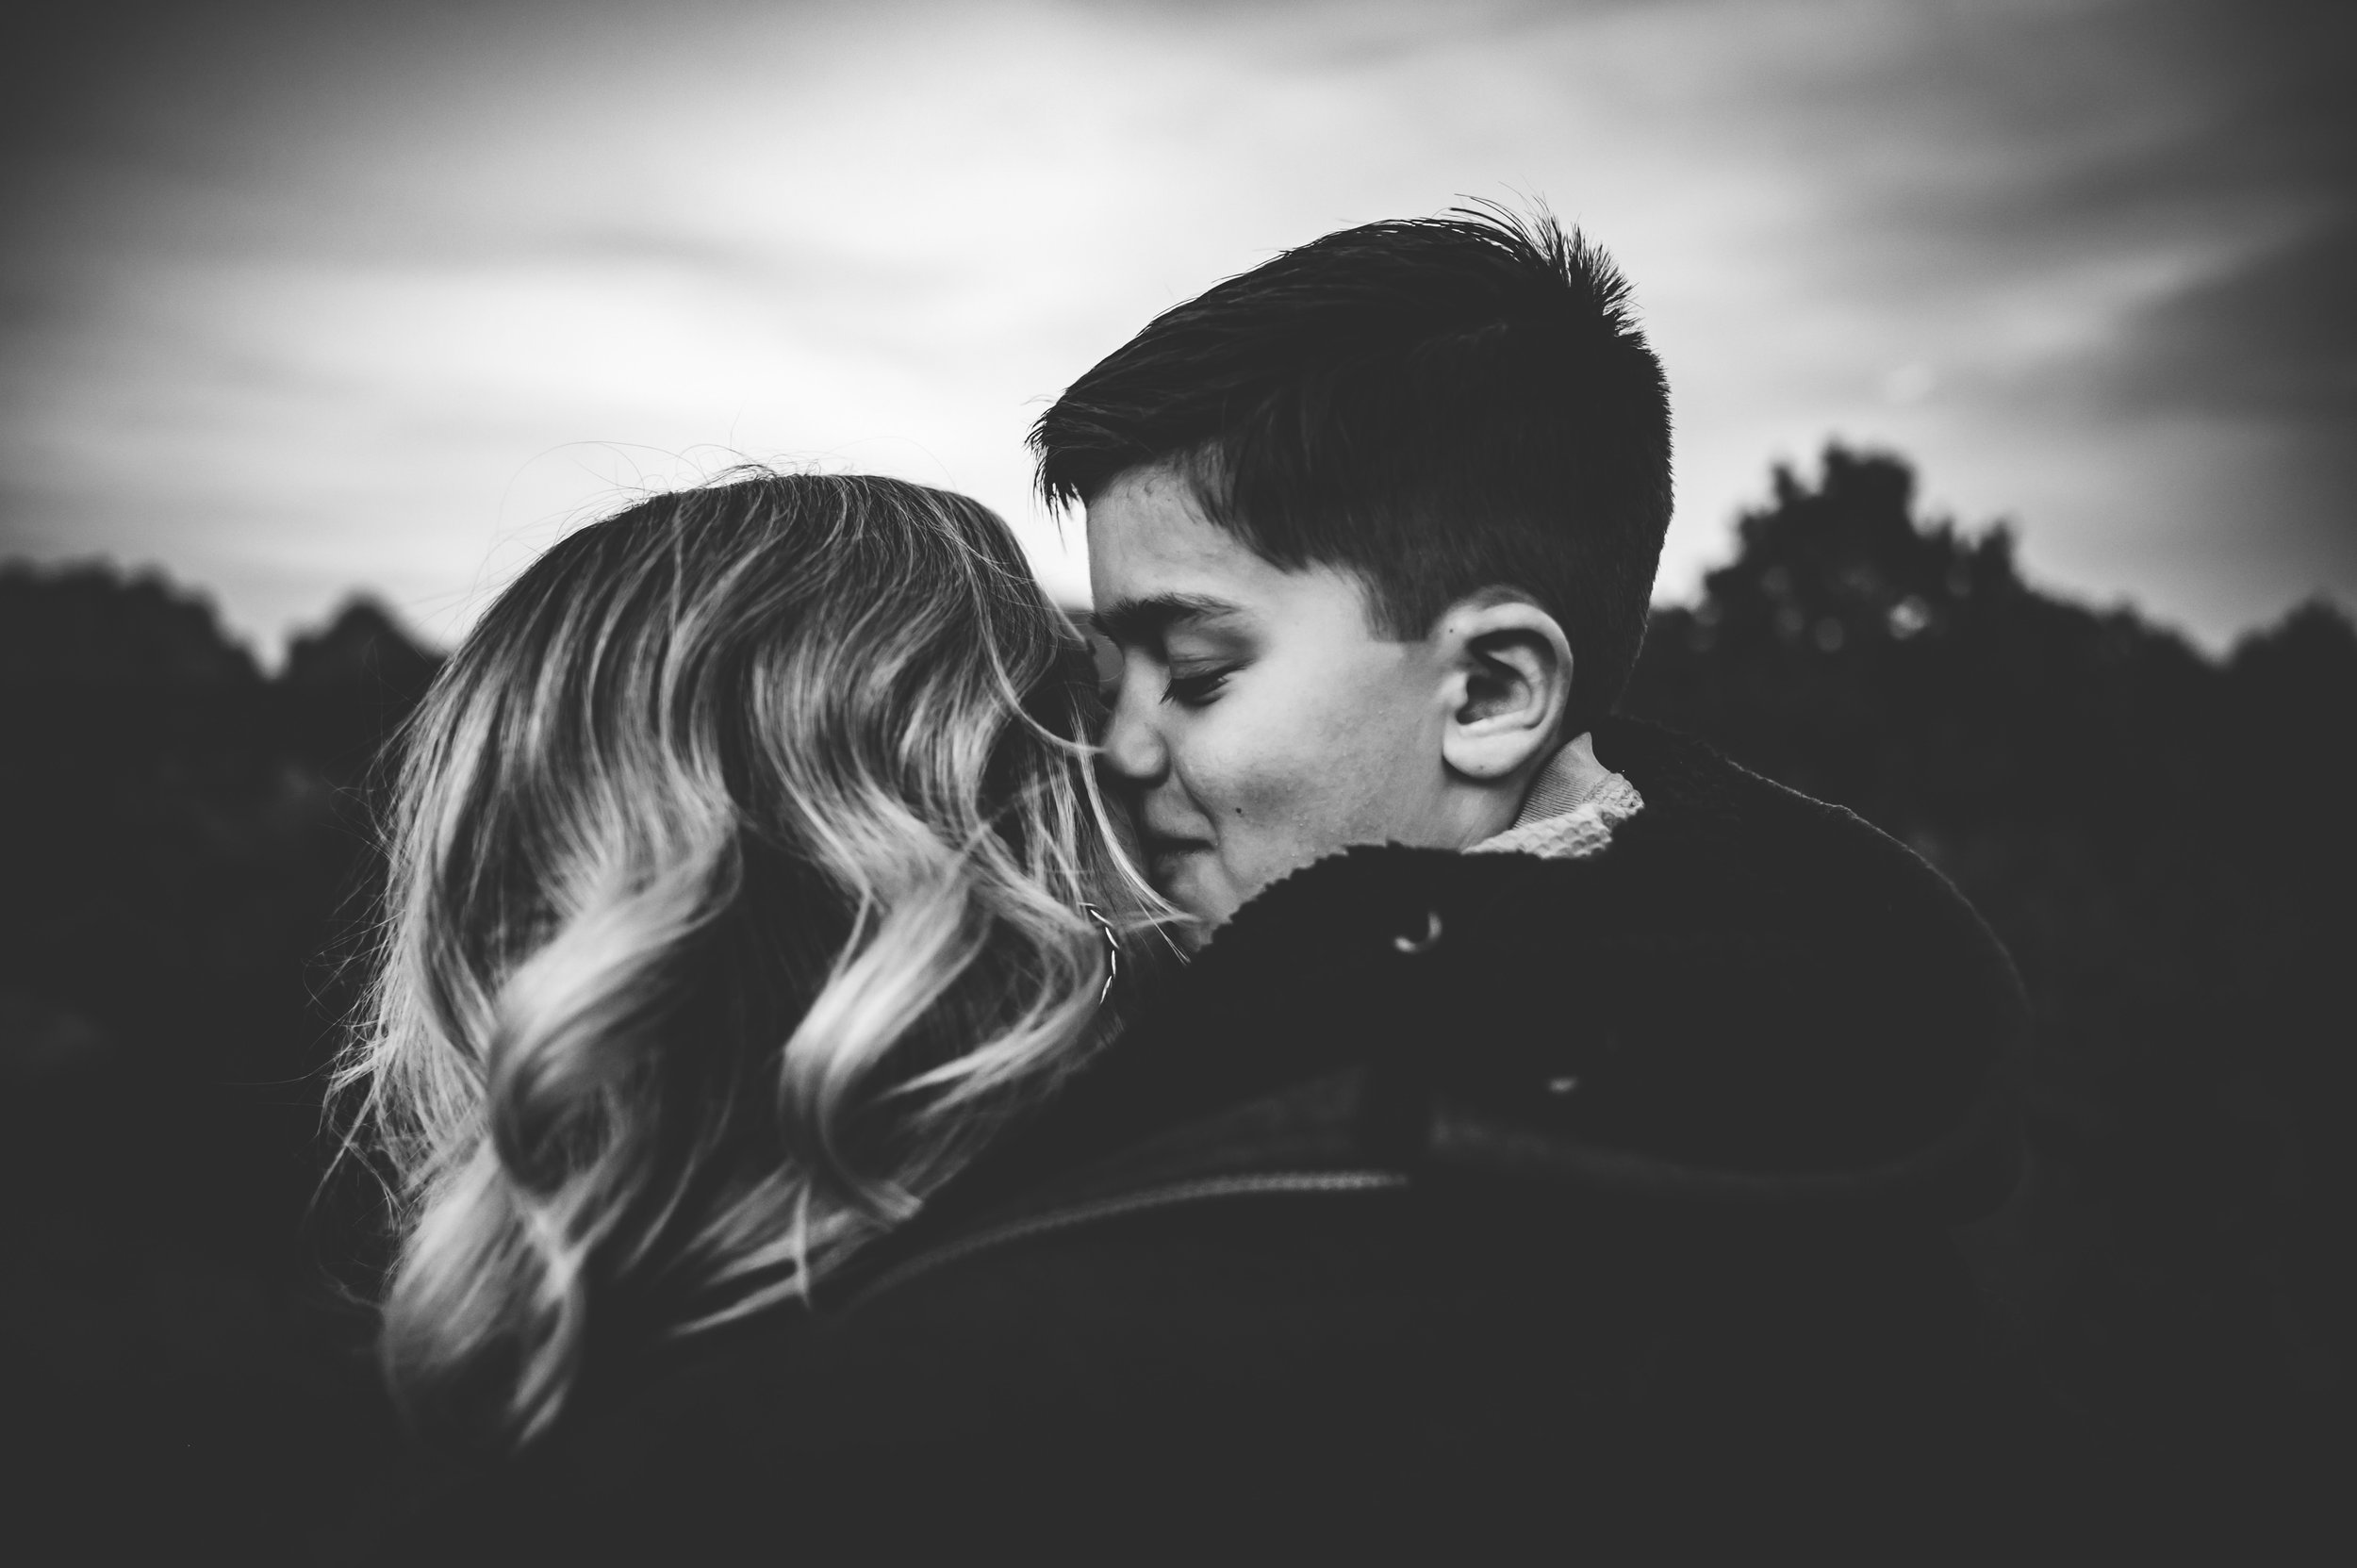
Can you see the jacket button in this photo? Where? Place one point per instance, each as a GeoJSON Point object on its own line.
{"type": "Point", "coordinates": [1424, 944]}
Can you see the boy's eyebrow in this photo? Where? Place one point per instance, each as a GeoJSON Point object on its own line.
{"type": "Point", "coordinates": [1141, 622]}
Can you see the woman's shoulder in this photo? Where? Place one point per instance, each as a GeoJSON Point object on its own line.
{"type": "Point", "coordinates": [1056, 1354]}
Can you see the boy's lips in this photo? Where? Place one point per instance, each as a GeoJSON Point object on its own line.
{"type": "Point", "coordinates": [1163, 851]}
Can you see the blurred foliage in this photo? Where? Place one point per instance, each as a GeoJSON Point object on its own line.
{"type": "Point", "coordinates": [2166, 844]}
{"type": "Point", "coordinates": [183, 847]}
{"type": "Point", "coordinates": [2163, 840]}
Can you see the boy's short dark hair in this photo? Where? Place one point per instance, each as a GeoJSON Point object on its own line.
{"type": "Point", "coordinates": [1440, 406]}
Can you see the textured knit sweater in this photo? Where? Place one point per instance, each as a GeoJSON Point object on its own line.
{"type": "Point", "coordinates": [1568, 814]}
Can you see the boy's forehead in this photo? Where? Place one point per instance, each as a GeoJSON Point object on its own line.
{"type": "Point", "coordinates": [1149, 518]}
{"type": "Point", "coordinates": [1147, 539]}
{"type": "Point", "coordinates": [1155, 561]}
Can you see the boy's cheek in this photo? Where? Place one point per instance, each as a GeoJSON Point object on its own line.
{"type": "Point", "coordinates": [1262, 789]}
{"type": "Point", "coordinates": [1275, 824]}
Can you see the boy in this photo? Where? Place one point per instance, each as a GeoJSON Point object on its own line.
{"type": "Point", "coordinates": [1372, 529]}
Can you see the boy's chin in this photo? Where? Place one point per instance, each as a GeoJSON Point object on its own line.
{"type": "Point", "coordinates": [1190, 879]}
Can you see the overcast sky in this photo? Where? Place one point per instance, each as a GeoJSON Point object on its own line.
{"type": "Point", "coordinates": [300, 298]}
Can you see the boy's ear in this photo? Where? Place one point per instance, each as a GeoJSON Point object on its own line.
{"type": "Point", "coordinates": [1508, 668]}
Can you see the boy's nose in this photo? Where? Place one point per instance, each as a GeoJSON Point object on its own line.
{"type": "Point", "coordinates": [1133, 747]}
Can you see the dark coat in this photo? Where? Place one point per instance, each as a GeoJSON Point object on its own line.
{"type": "Point", "coordinates": [1446, 1205]}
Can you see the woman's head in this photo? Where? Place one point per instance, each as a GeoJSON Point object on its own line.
{"type": "Point", "coordinates": [736, 859]}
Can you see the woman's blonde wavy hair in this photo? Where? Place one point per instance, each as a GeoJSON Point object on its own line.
{"type": "Point", "coordinates": [738, 865]}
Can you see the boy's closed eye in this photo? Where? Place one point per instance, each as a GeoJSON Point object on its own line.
{"type": "Point", "coordinates": [1195, 685]}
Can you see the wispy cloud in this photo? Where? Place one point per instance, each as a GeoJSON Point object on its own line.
{"type": "Point", "coordinates": [299, 298]}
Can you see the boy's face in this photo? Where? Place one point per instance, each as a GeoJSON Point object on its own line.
{"type": "Point", "coordinates": [1258, 723]}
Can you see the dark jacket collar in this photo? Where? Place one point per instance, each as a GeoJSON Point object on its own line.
{"type": "Point", "coordinates": [1747, 982]}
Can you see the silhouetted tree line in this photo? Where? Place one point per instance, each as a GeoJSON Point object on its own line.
{"type": "Point", "coordinates": [2163, 840]}
{"type": "Point", "coordinates": [2166, 844]}
{"type": "Point", "coordinates": [182, 842]}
